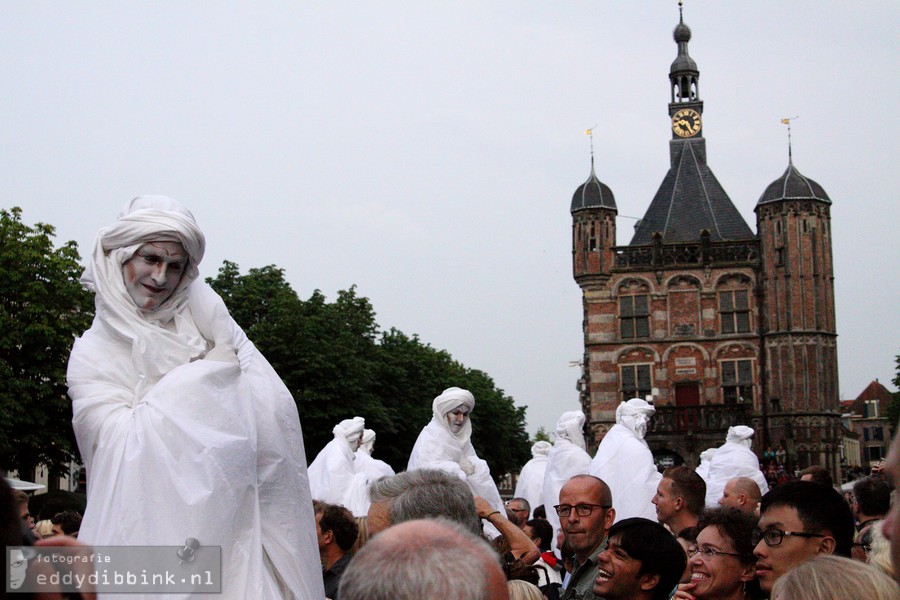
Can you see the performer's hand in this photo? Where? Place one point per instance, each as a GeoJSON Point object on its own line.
{"type": "Point", "coordinates": [467, 467]}
{"type": "Point", "coordinates": [223, 353]}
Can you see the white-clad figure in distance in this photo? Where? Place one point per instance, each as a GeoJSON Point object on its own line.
{"type": "Point", "coordinates": [371, 468]}
{"type": "Point", "coordinates": [566, 459]}
{"type": "Point", "coordinates": [733, 459]}
{"type": "Point", "coordinates": [332, 474]}
{"type": "Point", "coordinates": [530, 484]}
{"type": "Point", "coordinates": [185, 429]}
{"type": "Point", "coordinates": [624, 461]}
{"type": "Point", "coordinates": [445, 444]}
{"type": "Point", "coordinates": [705, 460]}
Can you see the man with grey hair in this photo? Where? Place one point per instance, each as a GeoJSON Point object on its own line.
{"type": "Point", "coordinates": [425, 559]}
{"type": "Point", "coordinates": [432, 493]}
{"type": "Point", "coordinates": [421, 494]}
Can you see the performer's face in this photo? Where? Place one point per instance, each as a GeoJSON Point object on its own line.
{"type": "Point", "coordinates": [456, 418]}
{"type": "Point", "coordinates": [153, 273]}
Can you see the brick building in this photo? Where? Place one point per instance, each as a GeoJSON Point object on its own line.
{"type": "Point", "coordinates": [867, 416]}
{"type": "Point", "coordinates": [722, 325]}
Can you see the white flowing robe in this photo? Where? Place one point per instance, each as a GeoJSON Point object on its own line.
{"type": "Point", "coordinates": [731, 460]}
{"type": "Point", "coordinates": [530, 484]}
{"type": "Point", "coordinates": [179, 447]}
{"type": "Point", "coordinates": [625, 463]}
{"type": "Point", "coordinates": [334, 479]}
{"type": "Point", "coordinates": [437, 448]}
{"type": "Point", "coordinates": [565, 461]}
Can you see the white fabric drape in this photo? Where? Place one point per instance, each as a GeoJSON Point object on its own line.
{"type": "Point", "coordinates": [566, 459]}
{"type": "Point", "coordinates": [176, 446]}
{"type": "Point", "coordinates": [733, 459]}
{"type": "Point", "coordinates": [624, 461]}
{"type": "Point", "coordinates": [530, 484]}
{"type": "Point", "coordinates": [371, 468]}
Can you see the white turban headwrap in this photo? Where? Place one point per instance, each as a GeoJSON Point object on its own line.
{"type": "Point", "coordinates": [740, 434]}
{"type": "Point", "coordinates": [634, 414]}
{"type": "Point", "coordinates": [168, 336]}
{"type": "Point", "coordinates": [368, 441]}
{"type": "Point", "coordinates": [349, 430]}
{"type": "Point", "coordinates": [541, 448]}
{"type": "Point", "coordinates": [570, 426]}
{"type": "Point", "coordinates": [450, 399]}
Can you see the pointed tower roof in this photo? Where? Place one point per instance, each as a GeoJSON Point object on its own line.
{"type": "Point", "coordinates": [593, 193]}
{"type": "Point", "coordinates": [793, 186]}
{"type": "Point", "coordinates": [689, 200]}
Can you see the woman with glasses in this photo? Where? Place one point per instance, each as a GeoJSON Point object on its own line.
{"type": "Point", "coordinates": [721, 561]}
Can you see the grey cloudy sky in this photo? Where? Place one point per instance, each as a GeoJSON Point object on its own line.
{"type": "Point", "coordinates": [428, 151]}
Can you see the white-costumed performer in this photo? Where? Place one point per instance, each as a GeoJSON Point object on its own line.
{"type": "Point", "coordinates": [625, 463]}
{"type": "Point", "coordinates": [530, 484]}
{"type": "Point", "coordinates": [733, 459]}
{"type": "Point", "coordinates": [566, 459]}
{"type": "Point", "coordinates": [371, 468]}
{"type": "Point", "coordinates": [185, 429]}
{"type": "Point", "coordinates": [445, 444]}
{"type": "Point", "coordinates": [705, 460]}
{"type": "Point", "coordinates": [333, 477]}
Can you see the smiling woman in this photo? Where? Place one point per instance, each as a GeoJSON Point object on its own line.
{"type": "Point", "coordinates": [721, 561]}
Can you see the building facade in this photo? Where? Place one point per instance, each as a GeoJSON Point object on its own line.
{"type": "Point", "coordinates": [721, 325]}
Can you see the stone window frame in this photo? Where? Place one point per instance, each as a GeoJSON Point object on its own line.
{"type": "Point", "coordinates": [634, 319]}
{"type": "Point", "coordinates": [734, 389]}
{"type": "Point", "coordinates": [732, 315]}
{"type": "Point", "coordinates": [637, 391]}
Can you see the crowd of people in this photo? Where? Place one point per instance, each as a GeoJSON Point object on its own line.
{"type": "Point", "coordinates": [187, 432]}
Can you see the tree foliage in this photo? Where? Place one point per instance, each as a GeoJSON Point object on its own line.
{"type": "Point", "coordinates": [337, 363]}
{"type": "Point", "coordinates": [42, 308]}
{"type": "Point", "coordinates": [541, 435]}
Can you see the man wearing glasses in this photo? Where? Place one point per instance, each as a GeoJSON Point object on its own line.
{"type": "Point", "coordinates": [520, 509]}
{"type": "Point", "coordinates": [585, 514]}
{"type": "Point", "coordinates": [799, 520]}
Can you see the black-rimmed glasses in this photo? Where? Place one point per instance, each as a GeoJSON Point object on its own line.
{"type": "Point", "coordinates": [706, 552]}
{"type": "Point", "coordinates": [582, 510]}
{"type": "Point", "coordinates": [773, 537]}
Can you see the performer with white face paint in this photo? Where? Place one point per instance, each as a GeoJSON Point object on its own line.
{"type": "Point", "coordinates": [371, 468]}
{"type": "Point", "coordinates": [530, 484]}
{"type": "Point", "coordinates": [333, 477]}
{"type": "Point", "coordinates": [185, 429]}
{"type": "Point", "coordinates": [445, 444]}
{"type": "Point", "coordinates": [625, 463]}
{"type": "Point", "coordinates": [733, 459]}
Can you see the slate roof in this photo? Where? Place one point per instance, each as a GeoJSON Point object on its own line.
{"type": "Point", "coordinates": [793, 186]}
{"type": "Point", "coordinates": [593, 193]}
{"type": "Point", "coordinates": [689, 200]}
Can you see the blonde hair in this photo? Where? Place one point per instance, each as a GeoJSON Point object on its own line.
{"type": "Point", "coordinates": [522, 590]}
{"type": "Point", "coordinates": [362, 537]}
{"type": "Point", "coordinates": [43, 528]}
{"type": "Point", "coordinates": [835, 577]}
{"type": "Point", "coordinates": [879, 555]}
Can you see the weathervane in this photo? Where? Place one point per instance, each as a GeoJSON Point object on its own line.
{"type": "Point", "coordinates": [590, 132]}
{"type": "Point", "coordinates": [787, 122]}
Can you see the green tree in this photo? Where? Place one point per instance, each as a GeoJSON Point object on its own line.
{"type": "Point", "coordinates": [541, 435]}
{"type": "Point", "coordinates": [894, 405]}
{"type": "Point", "coordinates": [42, 308]}
{"type": "Point", "coordinates": [337, 364]}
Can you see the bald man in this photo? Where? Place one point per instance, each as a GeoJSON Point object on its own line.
{"type": "Point", "coordinates": [425, 559]}
{"type": "Point", "coordinates": [741, 493]}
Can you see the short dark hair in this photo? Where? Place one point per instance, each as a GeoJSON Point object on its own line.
{"type": "Point", "coordinates": [688, 485]}
{"type": "Point", "coordinates": [819, 475]}
{"type": "Point", "coordinates": [735, 525]}
{"type": "Point", "coordinates": [873, 496]}
{"type": "Point", "coordinates": [544, 530]}
{"type": "Point", "coordinates": [539, 512]}
{"type": "Point", "coordinates": [339, 521]}
{"type": "Point", "coordinates": [819, 508]}
{"type": "Point", "coordinates": [657, 549]}
{"type": "Point", "coordinates": [68, 520]}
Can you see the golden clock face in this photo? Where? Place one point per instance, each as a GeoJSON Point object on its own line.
{"type": "Point", "coordinates": [686, 122]}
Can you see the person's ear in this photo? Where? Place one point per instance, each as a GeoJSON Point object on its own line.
{"type": "Point", "coordinates": [827, 545]}
{"type": "Point", "coordinates": [679, 502]}
{"type": "Point", "coordinates": [649, 581]}
{"type": "Point", "coordinates": [328, 536]}
{"type": "Point", "coordinates": [610, 518]}
{"type": "Point", "coordinates": [748, 573]}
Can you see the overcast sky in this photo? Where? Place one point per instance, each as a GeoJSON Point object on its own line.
{"type": "Point", "coordinates": [427, 152]}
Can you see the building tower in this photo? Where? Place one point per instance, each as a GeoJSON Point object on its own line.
{"type": "Point", "coordinates": [801, 377]}
{"type": "Point", "coordinates": [593, 237]}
